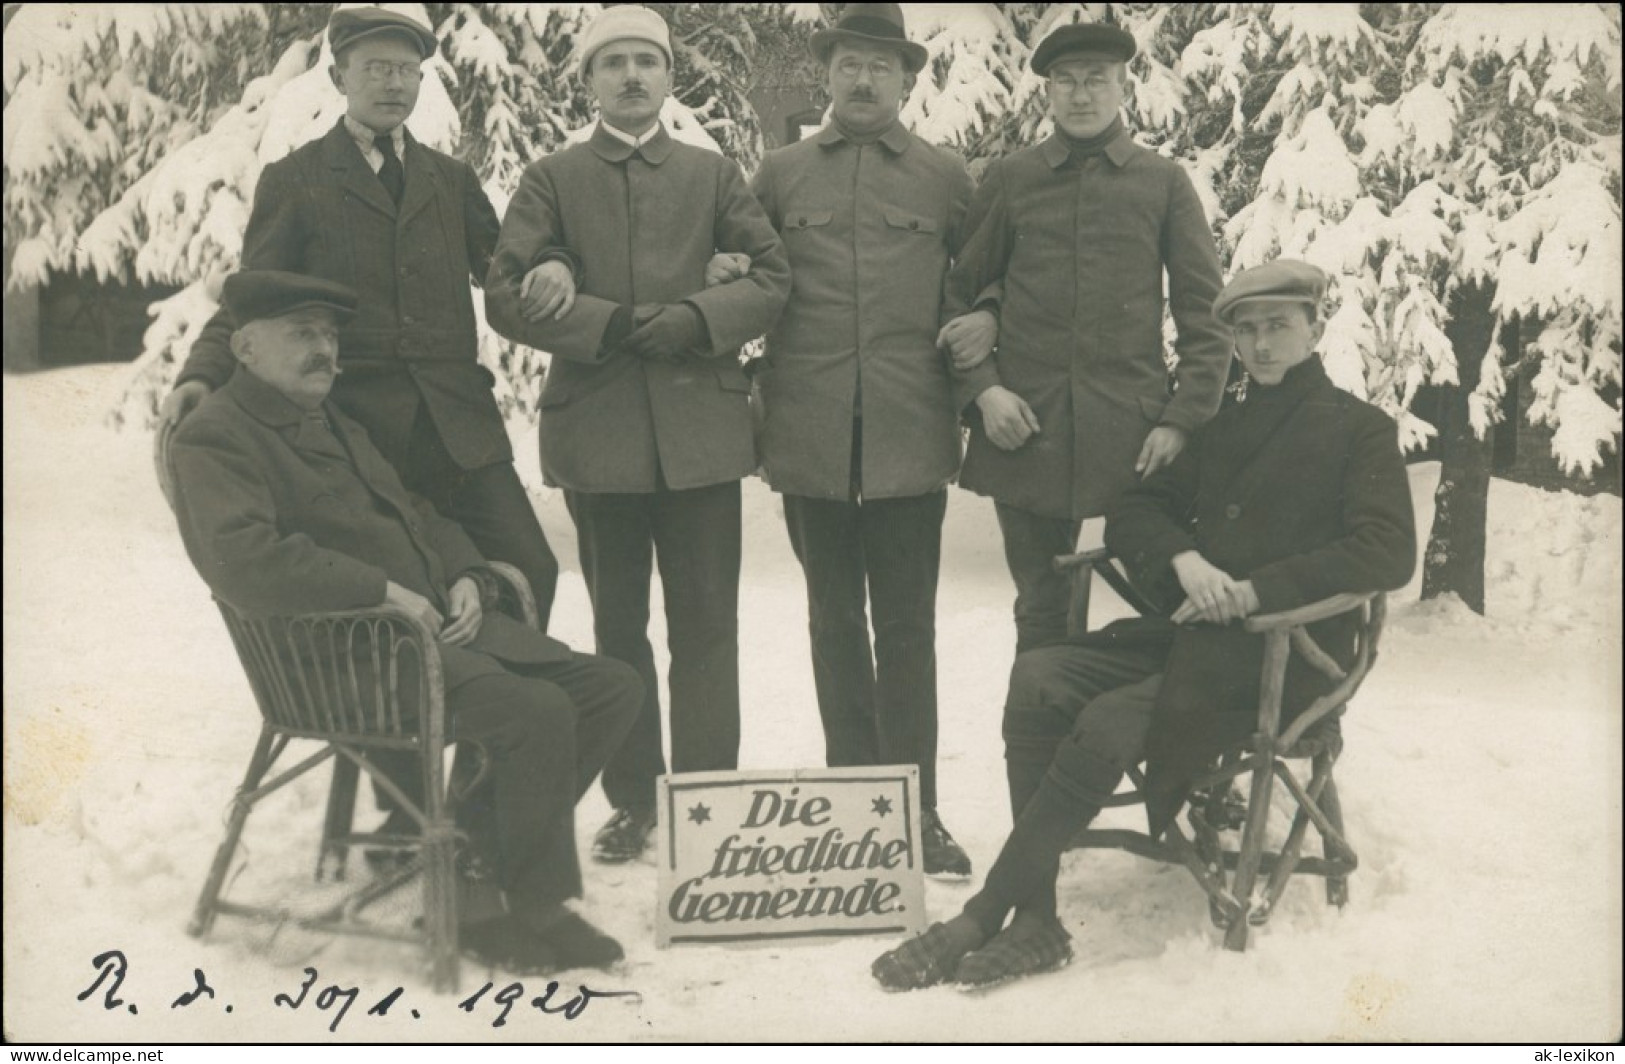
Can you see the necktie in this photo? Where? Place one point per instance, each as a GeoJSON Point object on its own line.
{"type": "Point", "coordinates": [392, 174]}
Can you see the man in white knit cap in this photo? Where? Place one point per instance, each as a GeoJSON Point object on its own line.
{"type": "Point", "coordinates": [645, 417]}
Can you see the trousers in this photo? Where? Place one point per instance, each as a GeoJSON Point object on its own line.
{"type": "Point", "coordinates": [879, 707]}
{"type": "Point", "coordinates": [694, 535]}
{"type": "Point", "coordinates": [489, 503]}
{"type": "Point", "coordinates": [547, 730]}
{"type": "Point", "coordinates": [1075, 720]}
{"type": "Point", "coordinates": [1031, 542]}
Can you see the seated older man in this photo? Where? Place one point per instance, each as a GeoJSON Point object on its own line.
{"type": "Point", "coordinates": [286, 507]}
{"type": "Point", "coordinates": [1294, 492]}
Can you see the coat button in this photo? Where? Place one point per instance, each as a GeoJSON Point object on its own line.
{"type": "Point", "coordinates": [1232, 511]}
{"type": "Point", "coordinates": [802, 220]}
{"type": "Point", "coordinates": [914, 224]}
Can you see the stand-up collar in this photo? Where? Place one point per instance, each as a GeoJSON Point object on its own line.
{"type": "Point", "coordinates": [612, 149]}
{"type": "Point", "coordinates": [896, 139]}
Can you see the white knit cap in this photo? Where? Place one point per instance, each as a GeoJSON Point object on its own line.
{"type": "Point", "coordinates": [620, 23]}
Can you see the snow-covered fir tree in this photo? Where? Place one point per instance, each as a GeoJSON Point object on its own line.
{"type": "Point", "coordinates": [1455, 168]}
{"type": "Point", "coordinates": [134, 136]}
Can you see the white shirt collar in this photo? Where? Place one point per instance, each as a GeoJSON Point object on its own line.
{"type": "Point", "coordinates": [627, 138]}
{"type": "Point", "coordinates": [365, 136]}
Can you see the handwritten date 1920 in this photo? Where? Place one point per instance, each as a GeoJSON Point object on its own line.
{"type": "Point", "coordinates": [112, 967]}
{"type": "Point", "coordinates": [508, 995]}
{"type": "Point", "coordinates": [332, 995]}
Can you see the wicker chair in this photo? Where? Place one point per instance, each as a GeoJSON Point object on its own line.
{"type": "Point", "coordinates": [1229, 875]}
{"type": "Point", "coordinates": [358, 682]}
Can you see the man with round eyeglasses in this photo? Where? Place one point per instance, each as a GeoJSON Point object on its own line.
{"type": "Point", "coordinates": [408, 228]}
{"type": "Point", "coordinates": [1074, 243]}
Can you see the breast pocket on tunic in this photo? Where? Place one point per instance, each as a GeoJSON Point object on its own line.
{"type": "Point", "coordinates": [910, 222]}
{"type": "Point", "coordinates": [801, 222]}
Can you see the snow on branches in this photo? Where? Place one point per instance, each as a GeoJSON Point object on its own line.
{"type": "Point", "coordinates": [1408, 149]}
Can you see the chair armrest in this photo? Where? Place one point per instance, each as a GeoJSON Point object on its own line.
{"type": "Point", "coordinates": [1315, 611]}
{"type": "Point", "coordinates": [520, 589]}
{"type": "Point", "coordinates": [338, 672]}
{"type": "Point", "coordinates": [1068, 562]}
{"type": "Point", "coordinates": [161, 463]}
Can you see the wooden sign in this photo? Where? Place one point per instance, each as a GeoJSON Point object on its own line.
{"type": "Point", "coordinates": [747, 856]}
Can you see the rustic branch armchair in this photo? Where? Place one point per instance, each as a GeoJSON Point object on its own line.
{"type": "Point", "coordinates": [360, 682]}
{"type": "Point", "coordinates": [1231, 876]}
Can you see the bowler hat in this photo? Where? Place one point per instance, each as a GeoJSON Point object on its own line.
{"type": "Point", "coordinates": [351, 24]}
{"type": "Point", "coordinates": [874, 24]}
{"type": "Point", "coordinates": [1096, 37]}
{"type": "Point", "coordinates": [1281, 281]}
{"type": "Point", "coordinates": [251, 295]}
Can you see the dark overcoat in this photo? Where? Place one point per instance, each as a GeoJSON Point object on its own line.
{"type": "Point", "coordinates": [1081, 246]}
{"type": "Point", "coordinates": [322, 212]}
{"type": "Point", "coordinates": [1301, 489]}
{"type": "Point", "coordinates": [642, 223]}
{"type": "Point", "coordinates": [278, 521]}
{"type": "Point", "coordinates": [870, 232]}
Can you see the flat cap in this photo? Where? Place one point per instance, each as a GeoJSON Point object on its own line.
{"type": "Point", "coordinates": [251, 295]}
{"type": "Point", "coordinates": [871, 24]}
{"type": "Point", "coordinates": [1098, 37]}
{"type": "Point", "coordinates": [623, 22]}
{"type": "Point", "coordinates": [351, 24]}
{"type": "Point", "coordinates": [1281, 281]}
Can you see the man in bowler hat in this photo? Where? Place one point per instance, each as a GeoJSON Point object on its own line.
{"type": "Point", "coordinates": [859, 431]}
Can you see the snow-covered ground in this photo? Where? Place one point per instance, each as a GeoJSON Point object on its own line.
{"type": "Point", "coordinates": [1482, 781]}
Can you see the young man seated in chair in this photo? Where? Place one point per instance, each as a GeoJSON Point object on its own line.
{"type": "Point", "coordinates": [1294, 492]}
{"type": "Point", "coordinates": [287, 508]}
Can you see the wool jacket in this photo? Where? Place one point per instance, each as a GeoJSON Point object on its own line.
{"type": "Point", "coordinates": [283, 517]}
{"type": "Point", "coordinates": [321, 211]}
{"type": "Point", "coordinates": [870, 230]}
{"type": "Point", "coordinates": [641, 223]}
{"type": "Point", "coordinates": [1082, 245]}
{"type": "Point", "coordinates": [1301, 489]}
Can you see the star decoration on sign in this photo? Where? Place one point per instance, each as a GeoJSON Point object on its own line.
{"type": "Point", "coordinates": [699, 814]}
{"type": "Point", "coordinates": [882, 806]}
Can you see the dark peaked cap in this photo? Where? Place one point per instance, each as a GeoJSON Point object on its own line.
{"type": "Point", "coordinates": [875, 24]}
{"type": "Point", "coordinates": [251, 295]}
{"type": "Point", "coordinates": [1082, 37]}
{"type": "Point", "coordinates": [1281, 281]}
{"type": "Point", "coordinates": [351, 24]}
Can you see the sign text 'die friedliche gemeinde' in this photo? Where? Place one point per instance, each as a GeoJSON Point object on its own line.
{"type": "Point", "coordinates": [761, 855]}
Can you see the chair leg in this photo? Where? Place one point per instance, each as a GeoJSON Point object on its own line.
{"type": "Point", "coordinates": [1252, 847]}
{"type": "Point", "coordinates": [1337, 887]}
{"type": "Point", "coordinates": [440, 900]}
{"type": "Point", "coordinates": [340, 819]}
{"type": "Point", "coordinates": [208, 902]}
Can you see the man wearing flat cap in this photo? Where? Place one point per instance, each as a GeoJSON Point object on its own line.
{"type": "Point", "coordinates": [1294, 492]}
{"type": "Point", "coordinates": [645, 416]}
{"type": "Point", "coordinates": [408, 228]}
{"type": "Point", "coordinates": [859, 430]}
{"type": "Point", "coordinates": [286, 507]}
{"type": "Point", "coordinates": [1075, 406]}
